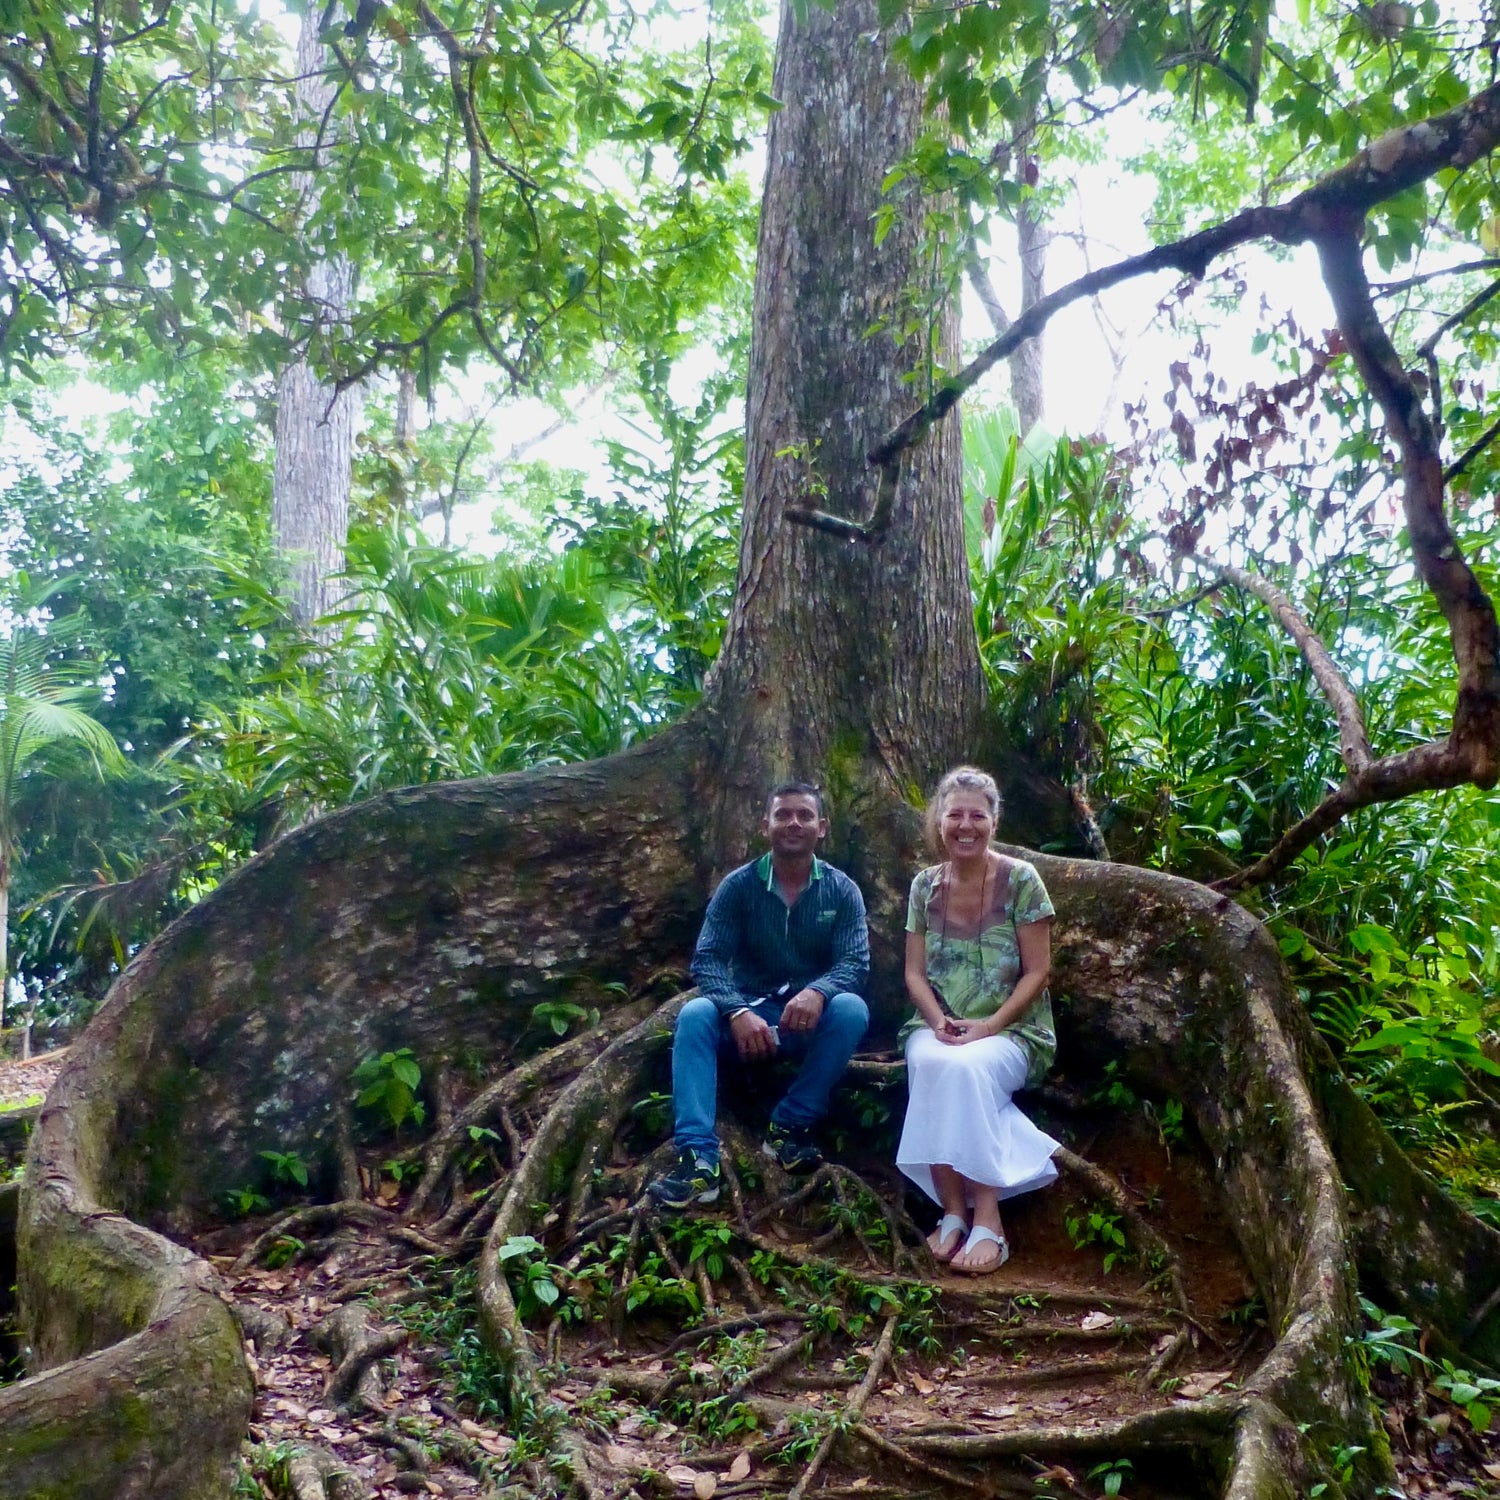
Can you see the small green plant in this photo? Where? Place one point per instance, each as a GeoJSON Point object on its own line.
{"type": "Point", "coordinates": [398, 1171]}
{"type": "Point", "coordinates": [446, 1318]}
{"type": "Point", "coordinates": [389, 1083]}
{"type": "Point", "coordinates": [531, 1277]}
{"type": "Point", "coordinates": [807, 1430]}
{"type": "Point", "coordinates": [1391, 1340]}
{"type": "Point", "coordinates": [1099, 1226]}
{"type": "Point", "coordinates": [1476, 1394]}
{"type": "Point", "coordinates": [1112, 1089]}
{"type": "Point", "coordinates": [654, 1113]}
{"type": "Point", "coordinates": [287, 1168]}
{"type": "Point", "coordinates": [1112, 1474]}
{"type": "Point", "coordinates": [243, 1201]}
{"type": "Point", "coordinates": [704, 1240]}
{"type": "Point", "coordinates": [869, 1108]}
{"type": "Point", "coordinates": [284, 1250]}
{"type": "Point", "coordinates": [1171, 1128]}
{"type": "Point", "coordinates": [561, 1015]}
{"type": "Point", "coordinates": [1244, 1314]}
{"type": "Point", "coordinates": [485, 1140]}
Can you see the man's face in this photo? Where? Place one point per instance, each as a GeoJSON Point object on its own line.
{"type": "Point", "coordinates": [793, 824]}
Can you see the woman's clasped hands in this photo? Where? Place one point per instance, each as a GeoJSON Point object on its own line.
{"type": "Point", "coordinates": [955, 1031]}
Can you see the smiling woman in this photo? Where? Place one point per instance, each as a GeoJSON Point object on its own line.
{"type": "Point", "coordinates": [978, 952]}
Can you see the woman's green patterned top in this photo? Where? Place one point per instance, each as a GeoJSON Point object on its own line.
{"type": "Point", "coordinates": [974, 967]}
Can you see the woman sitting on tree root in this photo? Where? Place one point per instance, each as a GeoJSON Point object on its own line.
{"type": "Point", "coordinates": [978, 951]}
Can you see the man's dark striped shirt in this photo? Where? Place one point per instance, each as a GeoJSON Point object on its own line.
{"type": "Point", "coordinates": [752, 942]}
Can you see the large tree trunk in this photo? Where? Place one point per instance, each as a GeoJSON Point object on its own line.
{"type": "Point", "coordinates": [314, 422]}
{"type": "Point", "coordinates": [844, 660]}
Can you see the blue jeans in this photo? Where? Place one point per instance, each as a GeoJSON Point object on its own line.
{"type": "Point", "coordinates": [702, 1033]}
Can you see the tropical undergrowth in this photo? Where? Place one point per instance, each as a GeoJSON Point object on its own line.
{"type": "Point", "coordinates": [1191, 728]}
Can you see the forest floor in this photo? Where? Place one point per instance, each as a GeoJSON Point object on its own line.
{"type": "Point", "coordinates": [717, 1353]}
{"type": "Point", "coordinates": [723, 1351]}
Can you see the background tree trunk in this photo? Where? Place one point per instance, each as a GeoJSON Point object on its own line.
{"type": "Point", "coordinates": [1027, 387]}
{"type": "Point", "coordinates": [314, 424]}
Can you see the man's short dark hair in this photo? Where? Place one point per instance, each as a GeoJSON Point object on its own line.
{"type": "Point", "coordinates": [797, 789]}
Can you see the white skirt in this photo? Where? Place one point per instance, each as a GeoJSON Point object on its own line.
{"type": "Point", "coordinates": [961, 1116]}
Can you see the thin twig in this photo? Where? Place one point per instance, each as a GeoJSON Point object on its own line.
{"type": "Point", "coordinates": [853, 1408]}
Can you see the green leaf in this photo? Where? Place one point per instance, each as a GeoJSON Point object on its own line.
{"type": "Point", "coordinates": [519, 1244]}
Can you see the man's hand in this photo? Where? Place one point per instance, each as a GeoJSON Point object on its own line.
{"type": "Point", "coordinates": [752, 1036]}
{"type": "Point", "coordinates": [803, 1011]}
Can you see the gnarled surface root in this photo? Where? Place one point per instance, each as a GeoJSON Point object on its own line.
{"type": "Point", "coordinates": [436, 919]}
{"type": "Point", "coordinates": [1188, 994]}
{"type": "Point", "coordinates": [433, 918]}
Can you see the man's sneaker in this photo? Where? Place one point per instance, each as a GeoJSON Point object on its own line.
{"type": "Point", "coordinates": [695, 1179]}
{"type": "Point", "coordinates": [792, 1149]}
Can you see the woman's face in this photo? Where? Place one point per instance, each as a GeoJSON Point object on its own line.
{"type": "Point", "coordinates": [966, 824]}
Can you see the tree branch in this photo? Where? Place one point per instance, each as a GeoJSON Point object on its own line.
{"type": "Point", "coordinates": [1475, 735]}
{"type": "Point", "coordinates": [1354, 741]}
{"type": "Point", "coordinates": [1396, 161]}
{"type": "Point", "coordinates": [1462, 462]}
{"type": "Point", "coordinates": [1471, 751]}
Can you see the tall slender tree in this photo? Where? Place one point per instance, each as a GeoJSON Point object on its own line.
{"type": "Point", "coordinates": [315, 419]}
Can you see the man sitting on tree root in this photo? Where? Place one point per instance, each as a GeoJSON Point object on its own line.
{"type": "Point", "coordinates": [780, 962]}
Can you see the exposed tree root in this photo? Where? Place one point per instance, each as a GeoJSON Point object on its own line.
{"type": "Point", "coordinates": [1154, 1249]}
{"type": "Point", "coordinates": [1187, 992]}
{"type": "Point", "coordinates": [310, 1472]}
{"type": "Point", "coordinates": [496, 1100]}
{"type": "Point", "coordinates": [916, 1464]}
{"type": "Point", "coordinates": [319, 1216]}
{"type": "Point", "coordinates": [355, 1345]}
{"type": "Point", "coordinates": [853, 1408]}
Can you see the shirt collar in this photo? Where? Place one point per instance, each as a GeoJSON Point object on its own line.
{"type": "Point", "coordinates": [764, 874]}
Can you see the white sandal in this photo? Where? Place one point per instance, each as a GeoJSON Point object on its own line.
{"type": "Point", "coordinates": [979, 1235]}
{"type": "Point", "coordinates": [951, 1224]}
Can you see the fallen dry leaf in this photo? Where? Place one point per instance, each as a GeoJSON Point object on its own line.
{"type": "Point", "coordinates": [861, 1483]}
{"type": "Point", "coordinates": [1196, 1386]}
{"type": "Point", "coordinates": [680, 1474]}
{"type": "Point", "coordinates": [1094, 1320]}
{"type": "Point", "coordinates": [924, 1387]}
{"type": "Point", "coordinates": [623, 1457]}
{"type": "Point", "coordinates": [704, 1486]}
{"type": "Point", "coordinates": [1162, 1343]}
{"type": "Point", "coordinates": [739, 1468]}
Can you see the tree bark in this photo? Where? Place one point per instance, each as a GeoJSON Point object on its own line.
{"type": "Point", "coordinates": [1027, 387]}
{"type": "Point", "coordinates": [314, 422]}
{"type": "Point", "coordinates": [854, 663]}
